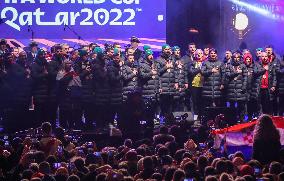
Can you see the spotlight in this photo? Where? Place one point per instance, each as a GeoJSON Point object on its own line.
{"type": "Point", "coordinates": [241, 22]}
{"type": "Point", "coordinates": [240, 25]}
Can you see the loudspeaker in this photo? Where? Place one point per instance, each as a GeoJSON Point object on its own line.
{"type": "Point", "coordinates": [179, 116]}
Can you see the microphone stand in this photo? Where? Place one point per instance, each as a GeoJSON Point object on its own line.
{"type": "Point", "coordinates": [79, 37]}
{"type": "Point", "coordinates": [32, 31]}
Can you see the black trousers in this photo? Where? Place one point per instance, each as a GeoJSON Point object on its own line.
{"type": "Point", "coordinates": [149, 111]}
{"type": "Point", "coordinates": [188, 101]}
{"type": "Point", "coordinates": [166, 104]}
{"type": "Point", "coordinates": [71, 117]}
{"type": "Point", "coordinates": [52, 112]}
{"type": "Point", "coordinates": [197, 100]}
{"type": "Point", "coordinates": [281, 105]}
{"type": "Point", "coordinates": [275, 105]}
{"type": "Point", "coordinates": [253, 108]}
{"type": "Point", "coordinates": [179, 104]}
{"type": "Point", "coordinates": [89, 113]}
{"type": "Point", "coordinates": [266, 102]}
{"type": "Point", "coordinates": [41, 112]}
{"type": "Point", "coordinates": [101, 115]}
{"type": "Point", "coordinates": [217, 102]}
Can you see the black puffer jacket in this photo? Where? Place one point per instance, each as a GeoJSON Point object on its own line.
{"type": "Point", "coordinates": [86, 77]}
{"type": "Point", "coordinates": [147, 80]}
{"type": "Point", "coordinates": [167, 75]}
{"type": "Point", "coordinates": [101, 83]}
{"type": "Point", "coordinates": [188, 61]}
{"type": "Point", "coordinates": [69, 96]}
{"type": "Point", "coordinates": [181, 76]}
{"type": "Point", "coordinates": [237, 82]}
{"type": "Point", "coordinates": [8, 85]}
{"type": "Point", "coordinates": [130, 80]}
{"type": "Point", "coordinates": [53, 67]}
{"type": "Point", "coordinates": [40, 80]}
{"type": "Point", "coordinates": [272, 79]}
{"type": "Point", "coordinates": [212, 81]}
{"type": "Point", "coordinates": [280, 77]}
{"type": "Point", "coordinates": [255, 71]}
{"type": "Point", "coordinates": [23, 93]}
{"type": "Point", "coordinates": [115, 82]}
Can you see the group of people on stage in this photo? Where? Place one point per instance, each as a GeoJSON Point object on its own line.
{"type": "Point", "coordinates": [100, 83]}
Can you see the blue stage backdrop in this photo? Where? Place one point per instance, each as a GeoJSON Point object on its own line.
{"type": "Point", "coordinates": [94, 20]}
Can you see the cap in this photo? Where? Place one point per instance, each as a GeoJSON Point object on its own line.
{"type": "Point", "coordinates": [83, 53]}
{"type": "Point", "coordinates": [165, 46]}
{"type": "Point", "coordinates": [3, 41]}
{"type": "Point", "coordinates": [98, 50]}
{"type": "Point", "coordinates": [40, 52]}
{"type": "Point", "coordinates": [175, 48]}
{"type": "Point", "coordinates": [148, 52]}
{"type": "Point", "coordinates": [33, 44]}
{"type": "Point", "coordinates": [134, 39]}
{"type": "Point", "coordinates": [146, 47]}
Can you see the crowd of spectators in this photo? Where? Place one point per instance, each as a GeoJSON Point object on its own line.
{"type": "Point", "coordinates": [170, 155]}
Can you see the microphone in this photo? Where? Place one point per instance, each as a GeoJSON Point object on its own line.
{"type": "Point", "coordinates": [65, 25]}
{"type": "Point", "coordinates": [29, 28]}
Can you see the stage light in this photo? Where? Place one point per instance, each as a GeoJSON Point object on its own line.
{"type": "Point", "coordinates": [241, 22]}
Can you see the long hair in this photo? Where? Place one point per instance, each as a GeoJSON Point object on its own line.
{"type": "Point", "coordinates": [265, 129]}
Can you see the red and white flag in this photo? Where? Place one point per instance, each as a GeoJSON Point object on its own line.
{"type": "Point", "coordinates": [242, 134]}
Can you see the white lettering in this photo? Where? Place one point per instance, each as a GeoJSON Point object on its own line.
{"type": "Point", "coordinates": [88, 1]}
{"type": "Point", "coordinates": [64, 20]}
{"type": "Point", "coordinates": [38, 14]}
{"type": "Point", "coordinates": [73, 17]}
{"type": "Point", "coordinates": [104, 16]}
{"type": "Point", "coordinates": [125, 1]}
{"type": "Point", "coordinates": [8, 1]}
{"type": "Point", "coordinates": [63, 1]}
{"type": "Point", "coordinates": [15, 16]}
{"type": "Point", "coordinates": [99, 1]}
{"type": "Point", "coordinates": [30, 1]}
{"type": "Point", "coordinates": [78, 1]}
{"type": "Point", "coordinates": [89, 16]}
{"type": "Point", "coordinates": [117, 1]}
{"type": "Point", "coordinates": [44, 1]}
{"type": "Point", "coordinates": [26, 18]}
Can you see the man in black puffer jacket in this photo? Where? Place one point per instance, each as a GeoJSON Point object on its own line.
{"type": "Point", "coordinates": [181, 83]}
{"type": "Point", "coordinates": [214, 75]}
{"type": "Point", "coordinates": [83, 68]}
{"type": "Point", "coordinates": [23, 93]}
{"type": "Point", "coordinates": [187, 61]}
{"type": "Point", "coordinates": [39, 74]}
{"type": "Point", "coordinates": [280, 81]}
{"type": "Point", "coordinates": [8, 87]}
{"type": "Point", "coordinates": [102, 89]}
{"type": "Point", "coordinates": [54, 66]}
{"type": "Point", "coordinates": [69, 97]}
{"type": "Point", "coordinates": [115, 78]}
{"type": "Point", "coordinates": [267, 85]}
{"type": "Point", "coordinates": [166, 69]}
{"type": "Point", "coordinates": [149, 83]}
{"type": "Point", "coordinates": [255, 71]}
{"type": "Point", "coordinates": [132, 102]}
{"type": "Point", "coordinates": [236, 76]}
{"type": "Point", "coordinates": [130, 78]}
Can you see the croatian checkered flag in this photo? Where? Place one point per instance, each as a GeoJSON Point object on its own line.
{"type": "Point", "coordinates": [242, 134]}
